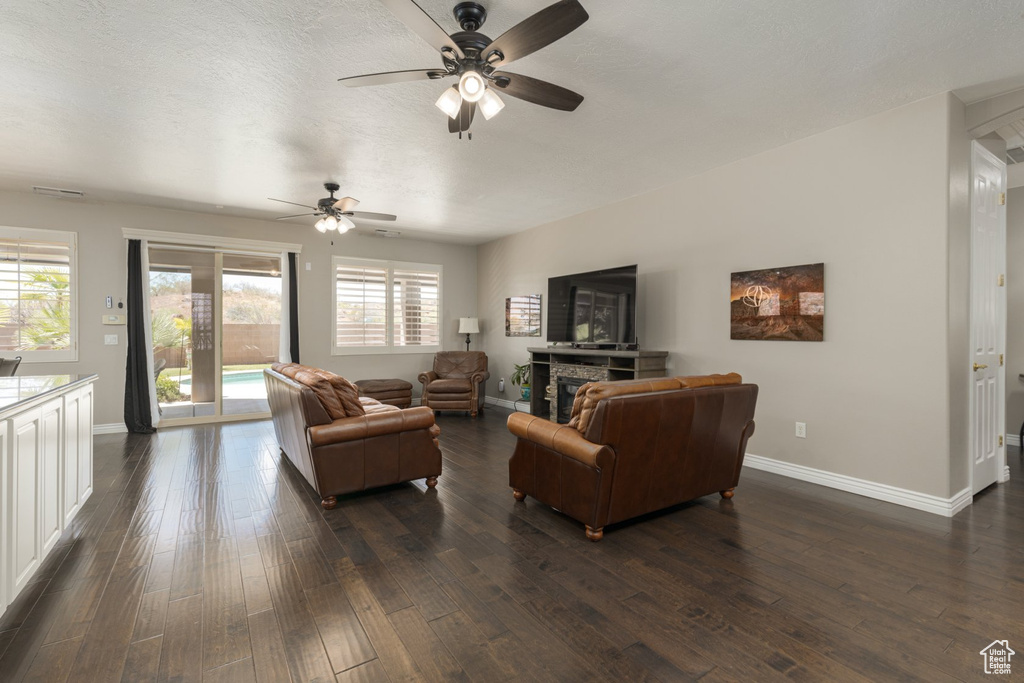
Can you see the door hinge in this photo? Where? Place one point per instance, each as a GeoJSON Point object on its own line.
{"type": "Point", "coordinates": [1000, 439]}
{"type": "Point", "coordinates": [1002, 280]}
{"type": "Point", "coordinates": [1002, 199]}
{"type": "Point", "coordinates": [1000, 360]}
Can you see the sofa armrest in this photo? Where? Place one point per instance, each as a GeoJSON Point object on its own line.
{"type": "Point", "coordinates": [559, 438]}
{"type": "Point", "coordinates": [426, 378]}
{"type": "Point", "coordinates": [374, 424]}
{"type": "Point", "coordinates": [479, 377]}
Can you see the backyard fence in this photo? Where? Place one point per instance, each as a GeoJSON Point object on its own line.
{"type": "Point", "coordinates": [243, 344]}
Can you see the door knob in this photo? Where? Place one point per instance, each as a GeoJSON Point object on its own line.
{"type": "Point", "coordinates": [979, 366]}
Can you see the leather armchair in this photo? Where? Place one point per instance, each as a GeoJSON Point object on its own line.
{"type": "Point", "coordinates": [456, 382]}
{"type": "Point", "coordinates": [635, 447]}
{"type": "Point", "coordinates": [341, 443]}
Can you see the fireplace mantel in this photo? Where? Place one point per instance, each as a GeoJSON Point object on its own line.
{"type": "Point", "coordinates": [548, 363]}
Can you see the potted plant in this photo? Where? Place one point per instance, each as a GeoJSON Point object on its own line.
{"type": "Point", "coordinates": [521, 378]}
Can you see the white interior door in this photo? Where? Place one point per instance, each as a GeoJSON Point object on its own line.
{"type": "Point", "coordinates": [988, 316]}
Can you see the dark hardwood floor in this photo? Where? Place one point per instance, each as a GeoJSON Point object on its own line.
{"type": "Point", "coordinates": [203, 555]}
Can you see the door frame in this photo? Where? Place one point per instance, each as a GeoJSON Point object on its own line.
{"type": "Point", "coordinates": [979, 151]}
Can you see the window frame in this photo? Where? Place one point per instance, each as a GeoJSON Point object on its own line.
{"type": "Point", "coordinates": [389, 267]}
{"type": "Point", "coordinates": [70, 354]}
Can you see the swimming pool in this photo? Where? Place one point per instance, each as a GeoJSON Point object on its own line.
{"type": "Point", "coordinates": [235, 384]}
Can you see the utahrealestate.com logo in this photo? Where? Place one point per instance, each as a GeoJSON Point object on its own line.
{"type": "Point", "coordinates": [997, 657]}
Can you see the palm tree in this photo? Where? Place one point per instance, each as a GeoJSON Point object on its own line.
{"type": "Point", "coordinates": [45, 309]}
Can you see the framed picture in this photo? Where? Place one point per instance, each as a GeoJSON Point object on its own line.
{"type": "Point", "coordinates": [779, 304]}
{"type": "Point", "coordinates": [522, 316]}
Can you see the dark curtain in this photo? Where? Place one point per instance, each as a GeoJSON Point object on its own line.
{"type": "Point", "coordinates": [293, 304]}
{"type": "Point", "coordinates": [138, 413]}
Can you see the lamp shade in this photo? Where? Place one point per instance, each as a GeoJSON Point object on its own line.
{"type": "Point", "coordinates": [469, 326]}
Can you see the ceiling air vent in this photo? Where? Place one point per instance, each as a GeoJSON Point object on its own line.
{"type": "Point", "coordinates": [381, 232]}
{"type": "Point", "coordinates": [56, 192]}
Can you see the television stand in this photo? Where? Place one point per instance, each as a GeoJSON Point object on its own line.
{"type": "Point", "coordinates": [549, 363]}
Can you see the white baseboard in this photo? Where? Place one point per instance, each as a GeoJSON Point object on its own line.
{"type": "Point", "coordinates": [947, 507]}
{"type": "Point", "coordinates": [1013, 439]}
{"type": "Point", "coordinates": [500, 402]}
{"type": "Point", "coordinates": [1006, 474]}
{"type": "Point", "coordinates": [112, 428]}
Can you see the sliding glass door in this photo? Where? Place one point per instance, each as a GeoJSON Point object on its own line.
{"type": "Point", "coordinates": [216, 320]}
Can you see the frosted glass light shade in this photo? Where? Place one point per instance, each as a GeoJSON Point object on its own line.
{"type": "Point", "coordinates": [490, 104]}
{"type": "Point", "coordinates": [450, 102]}
{"type": "Point", "coordinates": [472, 86]}
{"type": "Point", "coordinates": [469, 325]}
{"type": "Point", "coordinates": [331, 222]}
{"type": "Point", "coordinates": [321, 225]}
{"type": "Point", "coordinates": [344, 224]}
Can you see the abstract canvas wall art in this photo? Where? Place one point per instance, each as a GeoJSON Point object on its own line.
{"type": "Point", "coordinates": [779, 304]}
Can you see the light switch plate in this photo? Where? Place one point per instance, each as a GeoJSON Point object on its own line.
{"type": "Point", "coordinates": [110, 339]}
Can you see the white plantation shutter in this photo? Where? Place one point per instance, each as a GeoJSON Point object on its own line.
{"type": "Point", "coordinates": [361, 306]}
{"type": "Point", "coordinates": [417, 307]}
{"type": "Point", "coordinates": [385, 306]}
{"type": "Point", "coordinates": [37, 294]}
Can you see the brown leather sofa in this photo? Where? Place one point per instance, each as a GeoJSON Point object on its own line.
{"type": "Point", "coordinates": [634, 447]}
{"type": "Point", "coordinates": [341, 442]}
{"type": "Point", "coordinates": [456, 382]}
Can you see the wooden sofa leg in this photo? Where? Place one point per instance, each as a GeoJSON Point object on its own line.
{"type": "Point", "coordinates": [329, 503]}
{"type": "Point", "coordinates": [431, 482]}
{"type": "Point", "coordinates": [518, 495]}
{"type": "Point", "coordinates": [595, 534]}
{"type": "Point", "coordinates": [728, 493]}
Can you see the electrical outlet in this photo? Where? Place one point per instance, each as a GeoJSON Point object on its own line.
{"type": "Point", "coordinates": [110, 339]}
{"type": "Point", "coordinates": [801, 430]}
{"type": "Point", "coordinates": [501, 385]}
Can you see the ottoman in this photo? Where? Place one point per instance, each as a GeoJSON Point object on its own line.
{"type": "Point", "coordinates": [395, 392]}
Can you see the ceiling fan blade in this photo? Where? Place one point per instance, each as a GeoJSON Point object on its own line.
{"type": "Point", "coordinates": [345, 204]}
{"type": "Point", "coordinates": [305, 206]}
{"type": "Point", "coordinates": [371, 215]}
{"type": "Point", "coordinates": [464, 119]}
{"type": "Point", "coordinates": [537, 91]}
{"type": "Point", "coordinates": [388, 77]}
{"type": "Point", "coordinates": [537, 31]}
{"type": "Point", "coordinates": [298, 215]}
{"type": "Point", "coordinates": [413, 16]}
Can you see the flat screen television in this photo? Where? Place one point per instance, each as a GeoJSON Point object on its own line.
{"type": "Point", "coordinates": [593, 308]}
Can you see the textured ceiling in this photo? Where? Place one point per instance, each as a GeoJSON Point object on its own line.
{"type": "Point", "coordinates": [223, 102]}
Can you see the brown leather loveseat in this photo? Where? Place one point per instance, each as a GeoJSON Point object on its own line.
{"type": "Point", "coordinates": [634, 447]}
{"type": "Point", "coordinates": [343, 443]}
{"type": "Point", "coordinates": [456, 382]}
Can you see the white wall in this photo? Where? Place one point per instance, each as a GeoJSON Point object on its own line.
{"type": "Point", "coordinates": [871, 200]}
{"type": "Point", "coordinates": [102, 272]}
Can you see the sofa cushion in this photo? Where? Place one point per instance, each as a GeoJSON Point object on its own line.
{"type": "Point", "coordinates": [347, 393]}
{"type": "Point", "coordinates": [595, 391]}
{"type": "Point", "coordinates": [324, 392]}
{"type": "Point", "coordinates": [380, 408]}
{"type": "Point", "coordinates": [450, 386]}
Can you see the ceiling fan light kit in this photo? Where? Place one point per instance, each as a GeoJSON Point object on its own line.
{"type": "Point", "coordinates": [475, 59]}
{"type": "Point", "coordinates": [335, 214]}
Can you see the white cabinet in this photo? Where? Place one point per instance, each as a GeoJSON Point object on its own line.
{"type": "Point", "coordinates": [77, 475]}
{"type": "Point", "coordinates": [51, 452]}
{"type": "Point", "coordinates": [45, 477]}
{"type": "Point", "coordinates": [25, 530]}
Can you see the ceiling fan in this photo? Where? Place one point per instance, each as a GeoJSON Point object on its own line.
{"type": "Point", "coordinates": [337, 214]}
{"type": "Point", "coordinates": [475, 59]}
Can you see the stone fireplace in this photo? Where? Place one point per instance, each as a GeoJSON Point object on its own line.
{"type": "Point", "coordinates": [566, 393]}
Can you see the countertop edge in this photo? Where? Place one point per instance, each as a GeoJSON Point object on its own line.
{"type": "Point", "coordinates": [42, 397]}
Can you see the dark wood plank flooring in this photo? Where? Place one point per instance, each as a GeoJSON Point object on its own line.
{"type": "Point", "coordinates": [203, 555]}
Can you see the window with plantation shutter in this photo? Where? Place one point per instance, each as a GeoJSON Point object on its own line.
{"type": "Point", "coordinates": [417, 307]}
{"type": "Point", "coordinates": [386, 307]}
{"type": "Point", "coordinates": [38, 294]}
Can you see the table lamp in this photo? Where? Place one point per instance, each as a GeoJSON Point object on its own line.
{"type": "Point", "coordinates": [468, 326]}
